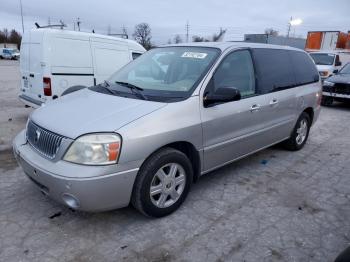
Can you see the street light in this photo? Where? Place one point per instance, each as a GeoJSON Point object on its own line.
{"type": "Point", "coordinates": [20, 4]}
{"type": "Point", "coordinates": [293, 22]}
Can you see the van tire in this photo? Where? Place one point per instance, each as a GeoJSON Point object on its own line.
{"type": "Point", "coordinates": [291, 143]}
{"type": "Point", "coordinates": [72, 89]}
{"type": "Point", "coordinates": [141, 197]}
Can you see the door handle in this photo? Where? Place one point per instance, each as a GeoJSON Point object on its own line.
{"type": "Point", "coordinates": [255, 108]}
{"type": "Point", "coordinates": [273, 102]}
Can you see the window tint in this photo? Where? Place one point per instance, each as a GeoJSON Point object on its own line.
{"type": "Point", "coordinates": [237, 71]}
{"type": "Point", "coordinates": [304, 68]}
{"type": "Point", "coordinates": [135, 55]}
{"type": "Point", "coordinates": [274, 70]}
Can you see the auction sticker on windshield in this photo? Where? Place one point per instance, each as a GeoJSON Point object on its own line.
{"type": "Point", "coordinates": [194, 55]}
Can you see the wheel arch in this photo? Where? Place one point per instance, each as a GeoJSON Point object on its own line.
{"type": "Point", "coordinates": [189, 150]}
{"type": "Point", "coordinates": [310, 112]}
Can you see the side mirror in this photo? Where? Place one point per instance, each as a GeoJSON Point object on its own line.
{"type": "Point", "coordinates": [335, 71]}
{"type": "Point", "coordinates": [221, 95]}
{"type": "Point", "coordinates": [338, 63]}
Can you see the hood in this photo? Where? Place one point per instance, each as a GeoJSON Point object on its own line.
{"type": "Point", "coordinates": [87, 111]}
{"type": "Point", "coordinates": [324, 67]}
{"type": "Point", "coordinates": [339, 78]}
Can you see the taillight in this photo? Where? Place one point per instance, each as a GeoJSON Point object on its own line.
{"type": "Point", "coordinates": [47, 86]}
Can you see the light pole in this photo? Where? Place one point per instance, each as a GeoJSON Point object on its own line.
{"type": "Point", "coordinates": [293, 22]}
{"type": "Point", "coordinates": [20, 3]}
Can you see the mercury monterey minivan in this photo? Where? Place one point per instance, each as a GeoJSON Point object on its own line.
{"type": "Point", "coordinates": [160, 122]}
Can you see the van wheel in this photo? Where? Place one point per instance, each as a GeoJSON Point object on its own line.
{"type": "Point", "coordinates": [72, 89]}
{"type": "Point", "coordinates": [162, 183]}
{"type": "Point", "coordinates": [300, 133]}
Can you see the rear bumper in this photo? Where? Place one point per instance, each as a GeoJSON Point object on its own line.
{"type": "Point", "coordinates": [97, 193]}
{"type": "Point", "coordinates": [336, 95]}
{"type": "Point", "coordinates": [30, 101]}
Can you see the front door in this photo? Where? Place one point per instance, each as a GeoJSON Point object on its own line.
{"type": "Point", "coordinates": [234, 129]}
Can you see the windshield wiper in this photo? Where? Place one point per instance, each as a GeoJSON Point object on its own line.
{"type": "Point", "coordinates": [106, 86]}
{"type": "Point", "coordinates": [133, 88]}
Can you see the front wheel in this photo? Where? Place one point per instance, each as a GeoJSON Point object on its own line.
{"type": "Point", "coordinates": [163, 183]}
{"type": "Point", "coordinates": [300, 133]}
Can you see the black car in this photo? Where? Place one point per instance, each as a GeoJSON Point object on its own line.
{"type": "Point", "coordinates": [337, 87]}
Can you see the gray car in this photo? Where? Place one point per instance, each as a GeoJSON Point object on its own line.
{"type": "Point", "coordinates": [159, 123]}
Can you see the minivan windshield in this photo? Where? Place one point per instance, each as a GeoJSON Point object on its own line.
{"type": "Point", "coordinates": [345, 70]}
{"type": "Point", "coordinates": [164, 74]}
{"type": "Point", "coordinates": [323, 58]}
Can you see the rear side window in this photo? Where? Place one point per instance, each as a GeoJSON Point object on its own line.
{"type": "Point", "coordinates": [304, 68]}
{"type": "Point", "coordinates": [274, 70]}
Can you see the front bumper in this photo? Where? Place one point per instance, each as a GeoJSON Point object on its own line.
{"type": "Point", "coordinates": [102, 190]}
{"type": "Point", "coordinates": [335, 95]}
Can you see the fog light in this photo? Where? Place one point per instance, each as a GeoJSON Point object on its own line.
{"type": "Point", "coordinates": [70, 201]}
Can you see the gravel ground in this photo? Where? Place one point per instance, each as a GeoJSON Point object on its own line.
{"type": "Point", "coordinates": [272, 206]}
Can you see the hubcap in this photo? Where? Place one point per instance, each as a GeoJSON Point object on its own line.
{"type": "Point", "coordinates": [167, 185]}
{"type": "Point", "coordinates": [301, 132]}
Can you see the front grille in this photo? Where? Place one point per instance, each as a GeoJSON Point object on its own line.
{"type": "Point", "coordinates": [45, 142]}
{"type": "Point", "coordinates": [341, 88]}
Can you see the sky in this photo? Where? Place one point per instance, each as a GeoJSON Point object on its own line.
{"type": "Point", "coordinates": [169, 18]}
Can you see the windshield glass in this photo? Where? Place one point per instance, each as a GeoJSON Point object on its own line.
{"type": "Point", "coordinates": [167, 72]}
{"type": "Point", "coordinates": [345, 69]}
{"type": "Point", "coordinates": [323, 59]}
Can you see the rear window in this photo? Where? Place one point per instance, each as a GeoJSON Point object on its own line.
{"type": "Point", "coordinates": [274, 70]}
{"type": "Point", "coordinates": [304, 68]}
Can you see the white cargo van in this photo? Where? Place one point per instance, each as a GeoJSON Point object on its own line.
{"type": "Point", "coordinates": [330, 62]}
{"type": "Point", "coordinates": [53, 60]}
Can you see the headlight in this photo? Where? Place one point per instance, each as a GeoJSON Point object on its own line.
{"type": "Point", "coordinates": [94, 149]}
{"type": "Point", "coordinates": [327, 83]}
{"type": "Point", "coordinates": [324, 73]}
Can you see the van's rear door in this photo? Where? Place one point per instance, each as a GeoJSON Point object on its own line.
{"type": "Point", "coordinates": [30, 65]}
{"type": "Point", "coordinates": [35, 67]}
{"type": "Point", "coordinates": [24, 62]}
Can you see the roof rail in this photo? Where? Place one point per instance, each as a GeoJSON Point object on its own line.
{"type": "Point", "coordinates": [60, 25]}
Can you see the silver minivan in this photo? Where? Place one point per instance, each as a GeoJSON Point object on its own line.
{"type": "Point", "coordinates": [159, 123]}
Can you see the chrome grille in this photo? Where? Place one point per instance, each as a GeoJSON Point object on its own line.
{"type": "Point", "coordinates": [45, 142]}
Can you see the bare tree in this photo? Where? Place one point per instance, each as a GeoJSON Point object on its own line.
{"type": "Point", "coordinates": [271, 31]}
{"type": "Point", "coordinates": [5, 33]}
{"type": "Point", "coordinates": [197, 38]}
{"type": "Point", "coordinates": [12, 37]}
{"type": "Point", "coordinates": [219, 36]}
{"type": "Point", "coordinates": [15, 38]}
{"type": "Point", "coordinates": [177, 39]}
{"type": "Point", "coordinates": [142, 35]}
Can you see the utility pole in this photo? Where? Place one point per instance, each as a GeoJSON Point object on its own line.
{"type": "Point", "coordinates": [20, 3]}
{"type": "Point", "coordinates": [78, 23]}
{"type": "Point", "coordinates": [49, 21]}
{"type": "Point", "coordinates": [289, 26]}
{"type": "Point", "coordinates": [187, 29]}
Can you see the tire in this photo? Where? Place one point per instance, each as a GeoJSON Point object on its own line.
{"type": "Point", "coordinates": [164, 200]}
{"type": "Point", "coordinates": [296, 142]}
{"type": "Point", "coordinates": [327, 101]}
{"type": "Point", "coordinates": [72, 89]}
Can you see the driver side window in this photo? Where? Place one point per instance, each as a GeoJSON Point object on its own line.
{"type": "Point", "coordinates": [236, 71]}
